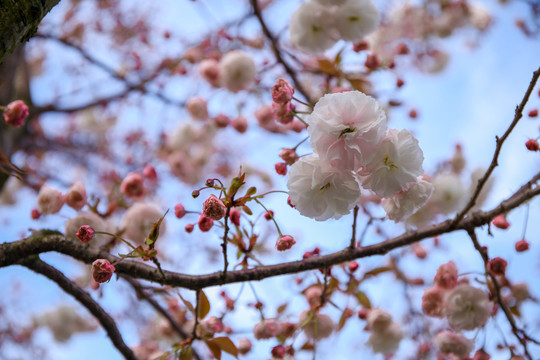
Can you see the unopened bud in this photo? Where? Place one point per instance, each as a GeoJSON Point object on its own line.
{"type": "Point", "coordinates": [189, 228]}
{"type": "Point", "coordinates": [282, 92]}
{"type": "Point", "coordinates": [234, 216]}
{"type": "Point", "coordinates": [522, 245]}
{"type": "Point", "coordinates": [195, 194]}
{"type": "Point", "coordinates": [269, 215]}
{"type": "Point", "coordinates": [281, 168]}
{"type": "Point", "coordinates": [15, 113]}
{"type": "Point", "coordinates": [205, 224]}
{"type": "Point", "coordinates": [533, 113]}
{"type": "Point", "coordinates": [179, 211]}
{"type": "Point", "coordinates": [532, 145]}
{"type": "Point", "coordinates": [285, 243]}
{"type": "Point", "coordinates": [500, 222]}
{"type": "Point", "coordinates": [85, 233]}
{"type": "Point", "coordinates": [497, 266]}
{"type": "Point", "coordinates": [213, 208]}
{"type": "Point", "coordinates": [102, 270]}
{"type": "Point", "coordinates": [132, 185]}
{"type": "Point", "coordinates": [353, 266]}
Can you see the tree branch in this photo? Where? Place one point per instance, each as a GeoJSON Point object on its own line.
{"type": "Point", "coordinates": [277, 52]}
{"type": "Point", "coordinates": [20, 20]}
{"type": "Point", "coordinates": [35, 264]}
{"type": "Point", "coordinates": [497, 293]}
{"type": "Point", "coordinates": [46, 241]}
{"type": "Point", "coordinates": [499, 143]}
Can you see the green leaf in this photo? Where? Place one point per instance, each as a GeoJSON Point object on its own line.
{"type": "Point", "coordinates": [377, 271]}
{"type": "Point", "coordinates": [225, 344]}
{"type": "Point", "coordinates": [247, 210]}
{"type": "Point", "coordinates": [204, 305]}
{"type": "Point", "coordinates": [186, 353]}
{"type": "Point", "coordinates": [363, 299]}
{"type": "Point", "coordinates": [251, 191]}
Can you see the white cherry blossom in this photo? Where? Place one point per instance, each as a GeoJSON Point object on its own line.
{"type": "Point", "coordinates": [467, 307]}
{"type": "Point", "coordinates": [397, 162]}
{"type": "Point", "coordinates": [321, 192]}
{"type": "Point", "coordinates": [386, 341]}
{"type": "Point", "coordinates": [312, 27]}
{"type": "Point", "coordinates": [404, 204]}
{"type": "Point", "coordinates": [449, 342]}
{"type": "Point", "coordinates": [237, 70]}
{"type": "Point", "coordinates": [345, 127]}
{"type": "Point", "coordinates": [356, 19]}
{"type": "Point", "coordinates": [448, 193]}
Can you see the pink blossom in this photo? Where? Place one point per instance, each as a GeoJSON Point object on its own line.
{"type": "Point", "coordinates": [318, 326]}
{"type": "Point", "coordinates": [179, 211]}
{"type": "Point", "coordinates": [132, 186]}
{"type": "Point", "coordinates": [453, 343]}
{"type": "Point", "coordinates": [76, 196]}
{"type": "Point", "coordinates": [497, 266]}
{"type": "Point", "coordinates": [240, 124]}
{"type": "Point", "coordinates": [281, 168]}
{"type": "Point", "coordinates": [50, 200]}
{"type": "Point", "coordinates": [85, 233]}
{"type": "Point", "coordinates": [288, 155]}
{"type": "Point", "coordinates": [189, 228]}
{"type": "Point", "coordinates": [480, 354]}
{"type": "Point", "coordinates": [150, 173]}
{"type": "Point", "coordinates": [265, 115]}
{"type": "Point", "coordinates": [102, 270]}
{"type": "Point", "coordinates": [15, 113]}
{"type": "Point", "coordinates": [313, 295]}
{"type": "Point", "coordinates": [196, 107]}
{"type": "Point", "coordinates": [433, 301]}
{"type": "Point", "coordinates": [283, 112]}
{"type": "Point", "coordinates": [285, 243]}
{"type": "Point", "coordinates": [35, 214]}
{"type": "Point", "coordinates": [267, 329]}
{"type": "Point", "coordinates": [222, 120]}
{"type": "Point", "coordinates": [282, 92]}
{"type": "Point", "coordinates": [213, 208]}
{"type": "Point", "coordinates": [244, 346]}
{"type": "Point", "coordinates": [205, 224]}
{"type": "Point", "coordinates": [269, 215]}
{"type": "Point", "coordinates": [209, 70]}
{"type": "Point", "coordinates": [447, 275]}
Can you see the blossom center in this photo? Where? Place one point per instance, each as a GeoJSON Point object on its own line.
{"type": "Point", "coordinates": [324, 187]}
{"type": "Point", "coordinates": [389, 163]}
{"type": "Point", "coordinates": [346, 131]}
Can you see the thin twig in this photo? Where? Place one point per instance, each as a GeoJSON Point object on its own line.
{"type": "Point", "coordinates": [353, 237]}
{"type": "Point", "coordinates": [106, 321]}
{"type": "Point", "coordinates": [277, 53]}
{"type": "Point", "coordinates": [499, 143]}
{"type": "Point", "coordinates": [497, 293]}
{"type": "Point", "coordinates": [225, 240]}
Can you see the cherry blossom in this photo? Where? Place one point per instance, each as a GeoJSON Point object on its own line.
{"type": "Point", "coordinates": [467, 307]}
{"type": "Point", "coordinates": [405, 203]}
{"type": "Point", "coordinates": [50, 200]}
{"type": "Point", "coordinates": [237, 70]}
{"type": "Point", "coordinates": [319, 191]}
{"type": "Point", "coordinates": [312, 28]}
{"type": "Point", "coordinates": [449, 342]}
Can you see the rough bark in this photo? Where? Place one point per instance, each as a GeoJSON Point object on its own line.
{"type": "Point", "coordinates": [19, 21]}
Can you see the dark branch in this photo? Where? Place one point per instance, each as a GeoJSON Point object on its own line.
{"type": "Point", "coordinates": [500, 141]}
{"type": "Point", "coordinates": [40, 267]}
{"type": "Point", "coordinates": [41, 242]}
{"type": "Point", "coordinates": [277, 52]}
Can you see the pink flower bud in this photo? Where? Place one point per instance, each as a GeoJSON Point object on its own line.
{"type": "Point", "coordinates": [132, 186]}
{"type": "Point", "coordinates": [264, 115]}
{"type": "Point", "coordinates": [179, 211]}
{"type": "Point", "coordinates": [244, 346]}
{"type": "Point", "coordinates": [85, 233]}
{"type": "Point", "coordinates": [50, 200]}
{"type": "Point", "coordinates": [402, 49]}
{"type": "Point", "coordinates": [289, 202]}
{"type": "Point", "coordinates": [419, 251]}
{"type": "Point", "coordinates": [363, 314]}
{"type": "Point", "coordinates": [209, 70]}
{"type": "Point", "coordinates": [278, 351]}
{"type": "Point", "coordinates": [433, 301]}
{"type": "Point", "coordinates": [285, 243]}
{"type": "Point", "coordinates": [282, 92]}
{"type": "Point", "coordinates": [400, 82]}
{"type": "Point", "coordinates": [35, 214]}
{"type": "Point", "coordinates": [102, 270]}
{"type": "Point", "coordinates": [353, 266]}
{"type": "Point", "coordinates": [360, 46]}
{"type": "Point", "coordinates": [447, 275]}
{"type": "Point", "coordinates": [283, 112]}
{"type": "Point", "coordinates": [267, 329]}
{"type": "Point", "coordinates": [533, 113]}
{"type": "Point", "coordinates": [189, 228]}
{"type": "Point", "coordinates": [288, 155]}
{"type": "Point", "coordinates": [15, 113]}
{"type": "Point", "coordinates": [532, 145]}
{"type": "Point", "coordinates": [522, 245]}
{"type": "Point", "coordinates": [196, 107]}
{"type": "Point", "coordinates": [497, 266]}
{"type": "Point", "coordinates": [213, 208]}
{"type": "Point", "coordinates": [413, 114]}
{"type": "Point", "coordinates": [222, 120]}
{"type": "Point", "coordinates": [150, 173]}
{"type": "Point", "coordinates": [76, 196]}
{"type": "Point", "coordinates": [481, 355]}
{"type": "Point", "coordinates": [281, 168]}
{"type": "Point", "coordinates": [205, 224]}
{"type": "Point", "coordinates": [234, 216]}
{"type": "Point", "coordinates": [240, 124]}
{"type": "Point", "coordinates": [313, 295]}
{"type": "Point", "coordinates": [372, 62]}
{"type": "Point", "coordinates": [500, 222]}
{"type": "Point", "coordinates": [269, 215]}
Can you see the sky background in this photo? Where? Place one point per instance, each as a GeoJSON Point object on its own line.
{"type": "Point", "coordinates": [470, 102]}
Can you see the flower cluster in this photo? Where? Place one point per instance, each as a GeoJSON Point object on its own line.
{"type": "Point", "coordinates": [385, 333]}
{"type": "Point", "coordinates": [465, 306]}
{"type": "Point", "coordinates": [318, 24]}
{"type": "Point", "coordinates": [354, 149]}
